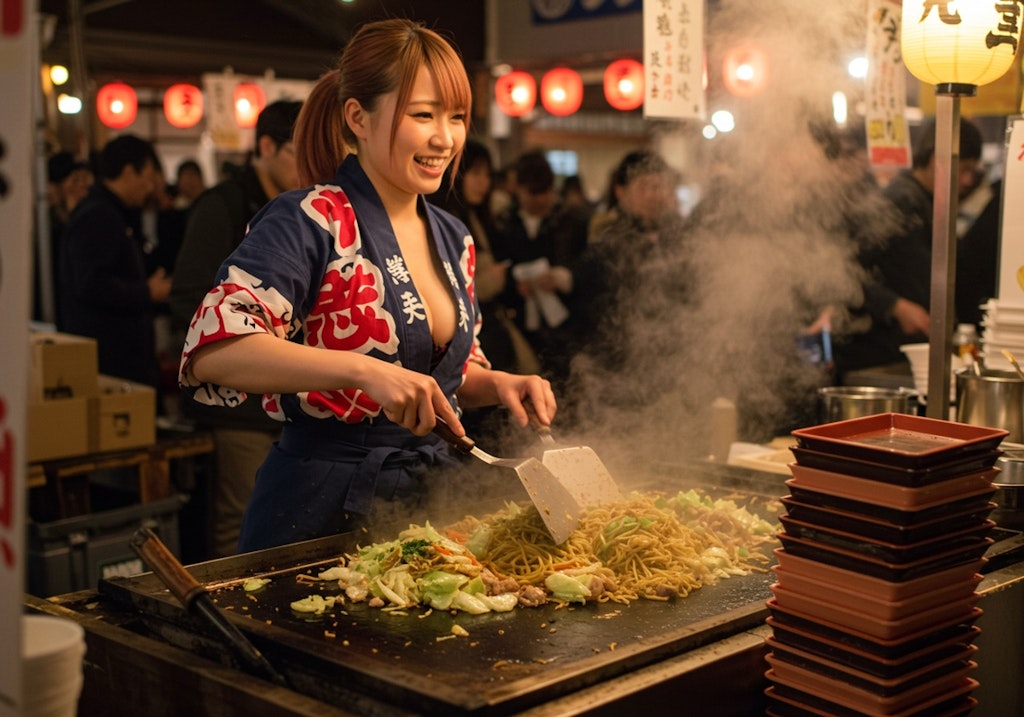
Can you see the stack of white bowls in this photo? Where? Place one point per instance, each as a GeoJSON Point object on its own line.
{"type": "Point", "coordinates": [52, 649]}
{"type": "Point", "coordinates": [918, 355]}
{"type": "Point", "coordinates": [1002, 329]}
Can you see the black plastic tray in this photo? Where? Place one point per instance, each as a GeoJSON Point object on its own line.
{"type": "Point", "coordinates": [910, 477]}
{"type": "Point", "coordinates": [976, 501]}
{"type": "Point", "coordinates": [790, 702]}
{"type": "Point", "coordinates": [884, 687]}
{"type": "Point", "coordinates": [901, 440]}
{"type": "Point", "coordinates": [885, 649]}
{"type": "Point", "coordinates": [970, 537]}
{"type": "Point", "coordinates": [956, 641]}
{"type": "Point", "coordinates": [867, 565]}
{"type": "Point", "coordinates": [876, 528]}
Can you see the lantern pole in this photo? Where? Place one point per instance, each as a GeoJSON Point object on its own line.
{"type": "Point", "coordinates": [79, 76]}
{"type": "Point", "coordinates": [946, 202]}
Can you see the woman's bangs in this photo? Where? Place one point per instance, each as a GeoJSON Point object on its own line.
{"type": "Point", "coordinates": [452, 82]}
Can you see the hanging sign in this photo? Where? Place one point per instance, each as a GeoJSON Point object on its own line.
{"type": "Point", "coordinates": [1011, 252]}
{"type": "Point", "coordinates": [219, 94]}
{"type": "Point", "coordinates": [888, 137]}
{"type": "Point", "coordinates": [18, 67]}
{"type": "Point", "coordinates": [674, 59]}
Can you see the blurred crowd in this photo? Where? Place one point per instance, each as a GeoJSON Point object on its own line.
{"type": "Point", "coordinates": [554, 262]}
{"type": "Point", "coordinates": [570, 284]}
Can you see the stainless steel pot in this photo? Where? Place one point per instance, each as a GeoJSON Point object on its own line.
{"type": "Point", "coordinates": [839, 403]}
{"type": "Point", "coordinates": [992, 398]}
{"type": "Point", "coordinates": [1009, 485]}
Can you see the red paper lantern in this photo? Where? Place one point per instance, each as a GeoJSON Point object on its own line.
{"type": "Point", "coordinates": [515, 93]}
{"type": "Point", "coordinates": [561, 91]}
{"type": "Point", "coordinates": [183, 105]}
{"type": "Point", "coordinates": [117, 105]}
{"type": "Point", "coordinates": [745, 70]}
{"type": "Point", "coordinates": [249, 102]}
{"type": "Point", "coordinates": [624, 84]}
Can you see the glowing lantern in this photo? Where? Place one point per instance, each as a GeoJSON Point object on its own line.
{"type": "Point", "coordinates": [624, 84]}
{"type": "Point", "coordinates": [117, 105]}
{"type": "Point", "coordinates": [745, 70]}
{"type": "Point", "coordinates": [183, 105]}
{"type": "Point", "coordinates": [956, 47]}
{"type": "Point", "coordinates": [249, 102]}
{"type": "Point", "coordinates": [561, 91]}
{"type": "Point", "coordinates": [516, 93]}
{"type": "Point", "coordinates": [967, 43]}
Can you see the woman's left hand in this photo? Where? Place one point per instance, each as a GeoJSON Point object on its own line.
{"type": "Point", "coordinates": [514, 390]}
{"type": "Point", "coordinates": [486, 387]}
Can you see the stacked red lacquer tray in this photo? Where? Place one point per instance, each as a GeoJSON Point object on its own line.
{"type": "Point", "coordinates": [875, 600]}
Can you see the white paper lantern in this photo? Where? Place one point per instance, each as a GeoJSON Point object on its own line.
{"type": "Point", "coordinates": [968, 42]}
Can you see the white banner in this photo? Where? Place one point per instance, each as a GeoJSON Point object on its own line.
{"type": "Point", "coordinates": [18, 69]}
{"type": "Point", "coordinates": [219, 99]}
{"type": "Point", "coordinates": [674, 59]}
{"type": "Point", "coordinates": [886, 88]}
{"type": "Point", "coordinates": [1011, 252]}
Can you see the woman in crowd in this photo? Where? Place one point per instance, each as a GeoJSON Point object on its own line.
{"type": "Point", "coordinates": [634, 272]}
{"type": "Point", "coordinates": [351, 304]}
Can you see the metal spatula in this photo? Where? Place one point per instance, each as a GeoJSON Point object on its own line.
{"type": "Point", "coordinates": [578, 468]}
{"type": "Point", "coordinates": [558, 509]}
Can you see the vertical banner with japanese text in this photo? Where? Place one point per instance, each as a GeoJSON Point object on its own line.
{"type": "Point", "coordinates": [1010, 289]}
{"type": "Point", "coordinates": [888, 137]}
{"type": "Point", "coordinates": [218, 91]}
{"type": "Point", "coordinates": [18, 65]}
{"type": "Point", "coordinates": [674, 59]}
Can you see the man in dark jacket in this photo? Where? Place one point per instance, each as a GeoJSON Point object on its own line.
{"type": "Point", "coordinates": [103, 289]}
{"type": "Point", "coordinates": [898, 294]}
{"type": "Point", "coordinates": [217, 222]}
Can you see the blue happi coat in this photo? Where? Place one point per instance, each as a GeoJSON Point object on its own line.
{"type": "Point", "coordinates": [321, 266]}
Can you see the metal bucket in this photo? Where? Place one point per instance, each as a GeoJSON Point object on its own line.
{"type": "Point", "coordinates": [994, 399]}
{"type": "Point", "coordinates": [839, 403]}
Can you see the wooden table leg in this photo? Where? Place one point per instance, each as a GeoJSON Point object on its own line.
{"type": "Point", "coordinates": [155, 478]}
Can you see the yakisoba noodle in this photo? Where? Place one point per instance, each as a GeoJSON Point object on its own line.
{"type": "Point", "coordinates": [639, 547]}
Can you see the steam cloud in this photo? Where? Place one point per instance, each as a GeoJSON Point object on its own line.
{"type": "Point", "coordinates": [771, 247]}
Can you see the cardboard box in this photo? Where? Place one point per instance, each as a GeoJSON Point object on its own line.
{"type": "Point", "coordinates": [123, 415]}
{"type": "Point", "coordinates": [57, 429]}
{"type": "Point", "coordinates": [61, 366]}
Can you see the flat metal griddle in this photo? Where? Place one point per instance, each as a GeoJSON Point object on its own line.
{"type": "Point", "coordinates": [395, 664]}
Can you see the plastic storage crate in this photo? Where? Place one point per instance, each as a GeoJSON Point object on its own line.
{"type": "Point", "coordinates": [73, 554]}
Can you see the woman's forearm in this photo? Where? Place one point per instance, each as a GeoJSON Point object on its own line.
{"type": "Point", "coordinates": [480, 387]}
{"type": "Point", "coordinates": [260, 363]}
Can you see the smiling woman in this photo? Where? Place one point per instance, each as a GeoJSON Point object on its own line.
{"type": "Point", "coordinates": [371, 289]}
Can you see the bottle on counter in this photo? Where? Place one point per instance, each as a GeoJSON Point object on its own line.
{"type": "Point", "coordinates": [966, 343]}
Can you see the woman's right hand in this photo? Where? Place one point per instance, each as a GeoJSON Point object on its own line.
{"type": "Point", "coordinates": [410, 399]}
